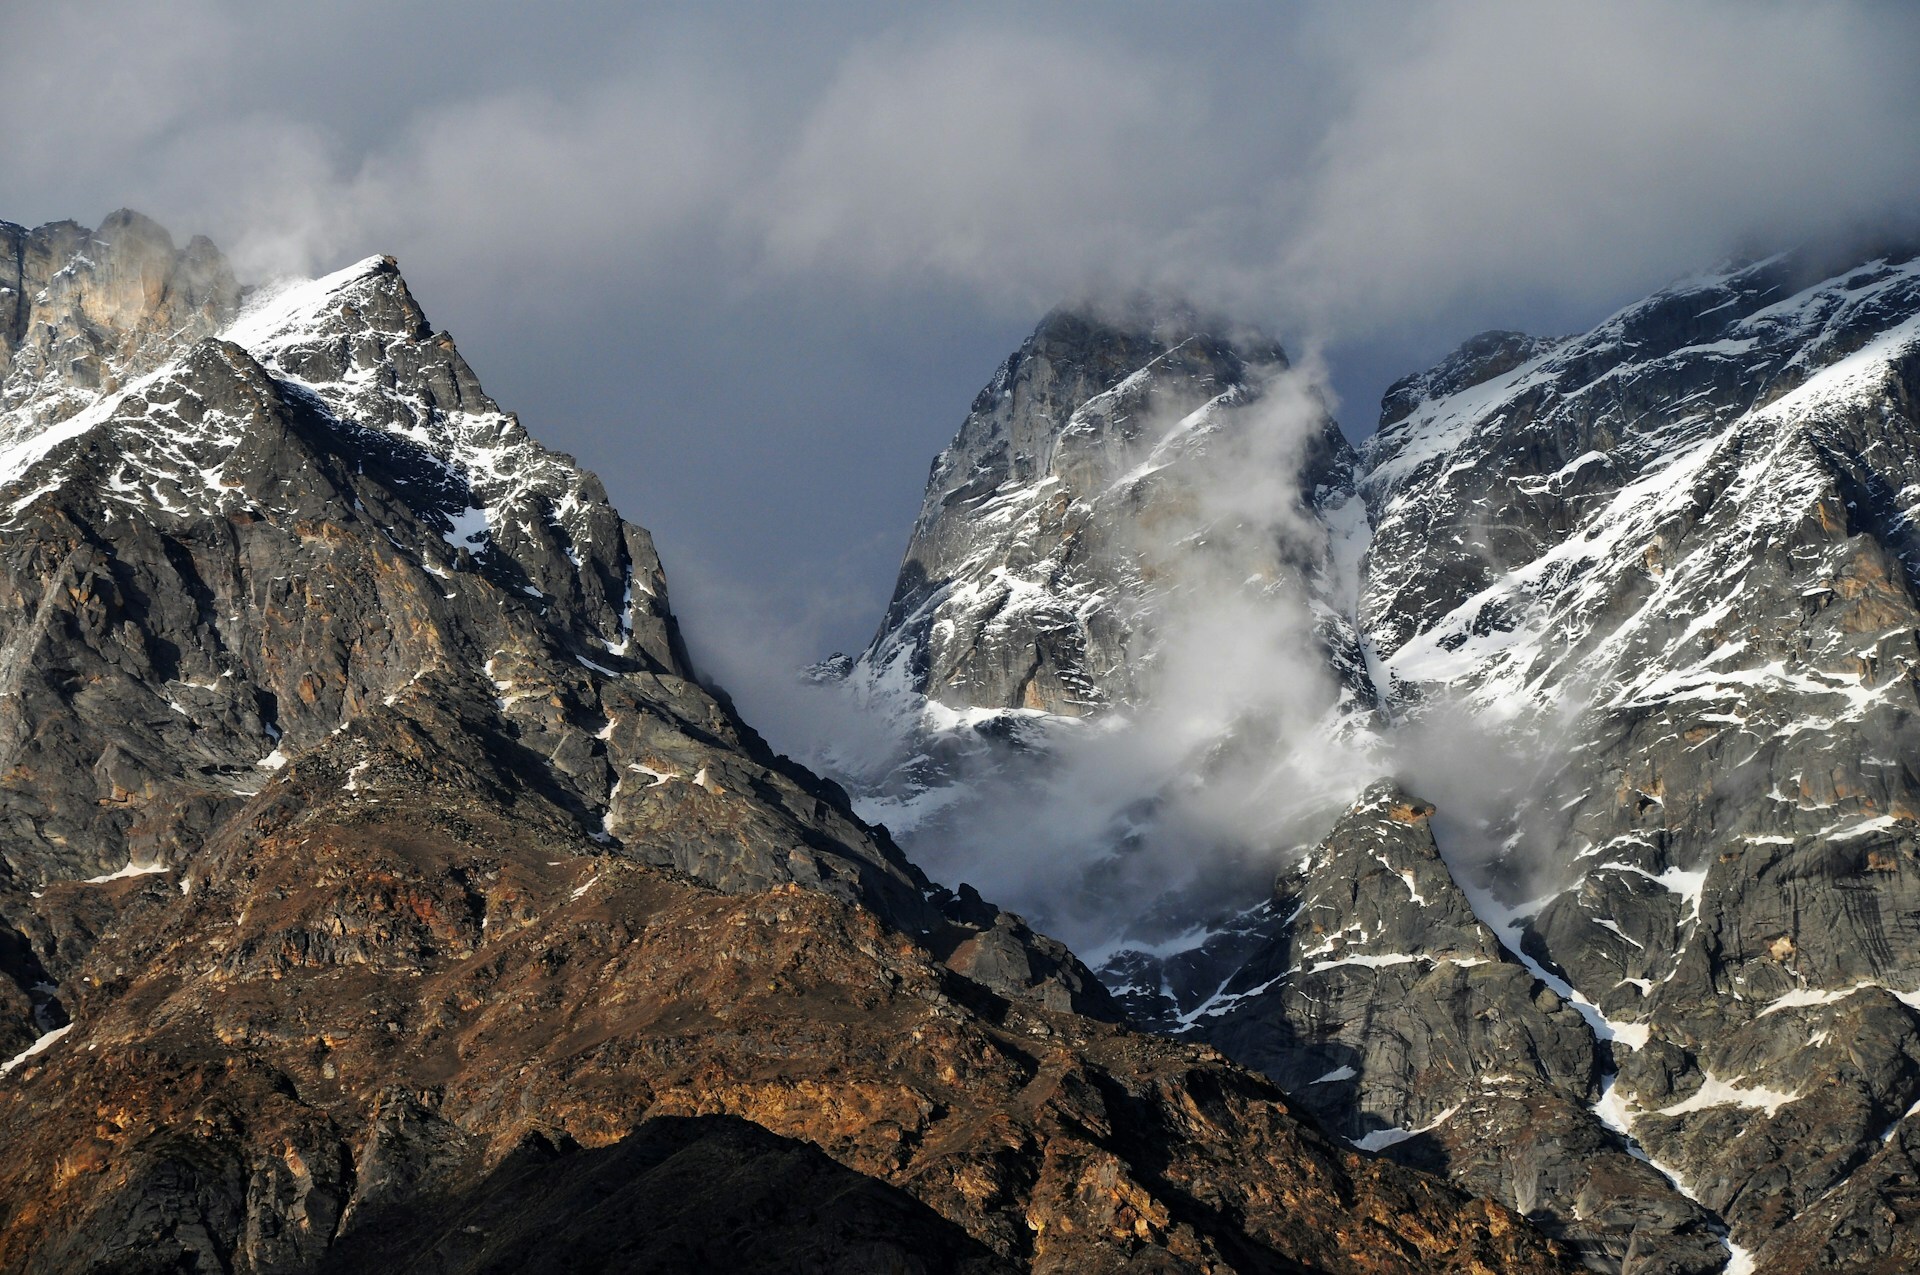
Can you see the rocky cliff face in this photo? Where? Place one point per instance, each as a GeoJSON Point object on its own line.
{"type": "Point", "coordinates": [377, 885]}
{"type": "Point", "coordinates": [1684, 540]}
{"type": "Point", "coordinates": [1136, 499]}
{"type": "Point", "coordinates": [1373, 989]}
{"type": "Point", "coordinates": [1640, 604]}
{"type": "Point", "coordinates": [1028, 583]}
{"type": "Point", "coordinates": [317, 516]}
{"type": "Point", "coordinates": [82, 312]}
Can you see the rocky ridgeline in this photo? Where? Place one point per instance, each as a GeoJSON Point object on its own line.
{"type": "Point", "coordinates": [378, 886]}
{"type": "Point", "coordinates": [1025, 577]}
{"type": "Point", "coordinates": [1126, 475]}
{"type": "Point", "coordinates": [1653, 978]}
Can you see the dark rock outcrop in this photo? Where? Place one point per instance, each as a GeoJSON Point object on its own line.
{"type": "Point", "coordinates": [377, 1007]}
{"type": "Point", "coordinates": [1399, 1018]}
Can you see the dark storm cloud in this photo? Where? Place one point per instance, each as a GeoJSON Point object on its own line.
{"type": "Point", "coordinates": [750, 264]}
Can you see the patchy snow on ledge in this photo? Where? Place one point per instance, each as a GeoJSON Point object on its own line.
{"type": "Point", "coordinates": [131, 870]}
{"type": "Point", "coordinates": [1806, 997]}
{"type": "Point", "coordinates": [21, 446]}
{"type": "Point", "coordinates": [1370, 961]}
{"type": "Point", "coordinates": [1688, 885]}
{"type": "Point", "coordinates": [1381, 1139]}
{"type": "Point", "coordinates": [39, 1046]}
{"type": "Point", "coordinates": [1715, 1092]}
{"type": "Point", "coordinates": [468, 528]}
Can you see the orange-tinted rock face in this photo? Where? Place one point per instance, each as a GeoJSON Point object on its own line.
{"type": "Point", "coordinates": [374, 1008]}
{"type": "Point", "coordinates": [83, 311]}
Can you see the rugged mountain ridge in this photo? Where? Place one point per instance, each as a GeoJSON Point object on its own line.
{"type": "Point", "coordinates": [1021, 587]}
{"type": "Point", "coordinates": [1703, 545]}
{"type": "Point", "coordinates": [1128, 486]}
{"type": "Point", "coordinates": [379, 885]}
{"type": "Point", "coordinates": [1640, 604]}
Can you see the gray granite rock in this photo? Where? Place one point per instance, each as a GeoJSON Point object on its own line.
{"type": "Point", "coordinates": [316, 517]}
{"type": "Point", "coordinates": [1674, 555]}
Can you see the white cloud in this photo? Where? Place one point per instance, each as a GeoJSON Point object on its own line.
{"type": "Point", "coordinates": [96, 86]}
{"type": "Point", "coordinates": [1333, 170]}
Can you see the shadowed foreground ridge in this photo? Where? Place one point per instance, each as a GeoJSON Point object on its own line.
{"type": "Point", "coordinates": [378, 888]}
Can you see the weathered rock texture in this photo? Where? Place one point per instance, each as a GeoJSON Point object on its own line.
{"type": "Point", "coordinates": [384, 1020]}
{"type": "Point", "coordinates": [83, 312]}
{"type": "Point", "coordinates": [377, 887]}
{"type": "Point", "coordinates": [1401, 1020]}
{"type": "Point", "coordinates": [1131, 487]}
{"type": "Point", "coordinates": [1027, 579]}
{"type": "Point", "coordinates": [1680, 546]}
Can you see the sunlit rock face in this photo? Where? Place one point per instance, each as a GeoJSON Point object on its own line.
{"type": "Point", "coordinates": [378, 887]}
{"type": "Point", "coordinates": [1636, 610]}
{"type": "Point", "coordinates": [1678, 551]}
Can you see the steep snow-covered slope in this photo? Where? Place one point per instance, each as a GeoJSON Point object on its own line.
{"type": "Point", "coordinates": [1639, 608]}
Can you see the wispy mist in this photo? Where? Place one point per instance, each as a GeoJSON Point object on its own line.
{"type": "Point", "coordinates": [1237, 743]}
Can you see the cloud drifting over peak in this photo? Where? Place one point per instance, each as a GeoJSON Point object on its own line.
{"type": "Point", "coordinates": [1021, 165]}
{"type": "Point", "coordinates": [1289, 161]}
{"type": "Point", "coordinates": [719, 251]}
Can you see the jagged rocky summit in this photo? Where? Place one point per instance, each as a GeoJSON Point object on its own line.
{"type": "Point", "coordinates": [1026, 581]}
{"type": "Point", "coordinates": [1636, 610]}
{"type": "Point", "coordinates": [1141, 502]}
{"type": "Point", "coordinates": [378, 886]}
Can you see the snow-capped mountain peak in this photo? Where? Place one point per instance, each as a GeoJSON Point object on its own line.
{"type": "Point", "coordinates": [1638, 610]}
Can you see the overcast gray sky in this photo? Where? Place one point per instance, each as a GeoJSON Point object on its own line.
{"type": "Point", "coordinates": [751, 262]}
